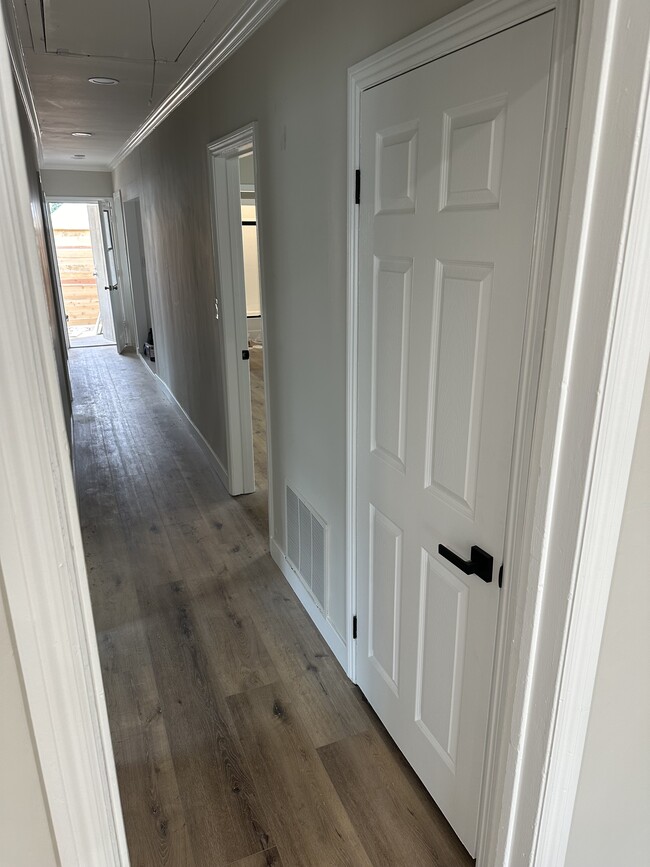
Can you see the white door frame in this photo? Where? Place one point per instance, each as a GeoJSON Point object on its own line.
{"type": "Point", "coordinates": [127, 307]}
{"type": "Point", "coordinates": [42, 563]}
{"type": "Point", "coordinates": [225, 201]}
{"type": "Point", "coordinates": [570, 460]}
{"type": "Point", "coordinates": [80, 200]}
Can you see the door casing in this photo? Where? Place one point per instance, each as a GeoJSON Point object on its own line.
{"type": "Point", "coordinates": [230, 301]}
{"type": "Point", "coordinates": [126, 300]}
{"type": "Point", "coordinates": [82, 200]}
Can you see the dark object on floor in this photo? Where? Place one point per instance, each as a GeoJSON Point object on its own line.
{"type": "Point", "coordinates": [147, 348]}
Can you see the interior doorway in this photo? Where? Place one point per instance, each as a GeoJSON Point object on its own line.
{"type": "Point", "coordinates": [239, 308]}
{"type": "Point", "coordinates": [139, 285]}
{"type": "Point", "coordinates": [77, 234]}
{"type": "Point", "coordinates": [254, 330]}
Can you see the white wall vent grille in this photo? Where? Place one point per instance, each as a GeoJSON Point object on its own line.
{"type": "Point", "coordinates": [307, 545]}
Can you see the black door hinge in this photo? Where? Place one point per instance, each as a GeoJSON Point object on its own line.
{"type": "Point", "coordinates": [354, 627]}
{"type": "Point", "coordinates": [245, 354]}
{"type": "Point", "coordinates": [357, 187]}
{"type": "Point", "coordinates": [501, 576]}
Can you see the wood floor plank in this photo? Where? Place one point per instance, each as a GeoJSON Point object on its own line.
{"type": "Point", "coordinates": [399, 824]}
{"type": "Point", "coordinates": [220, 800]}
{"type": "Point", "coordinates": [306, 814]}
{"type": "Point", "coordinates": [270, 858]}
{"type": "Point", "coordinates": [324, 696]}
{"type": "Point", "coordinates": [237, 656]}
{"type": "Point", "coordinates": [133, 700]}
{"type": "Point", "coordinates": [156, 829]}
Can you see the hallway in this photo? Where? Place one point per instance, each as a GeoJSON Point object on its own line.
{"type": "Point", "coordinates": [237, 737]}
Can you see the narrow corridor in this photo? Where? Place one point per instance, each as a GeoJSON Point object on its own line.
{"type": "Point", "coordinates": [237, 737]}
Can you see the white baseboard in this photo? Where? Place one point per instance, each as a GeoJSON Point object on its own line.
{"type": "Point", "coordinates": [211, 455]}
{"type": "Point", "coordinates": [329, 633]}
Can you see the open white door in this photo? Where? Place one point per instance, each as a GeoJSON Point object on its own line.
{"type": "Point", "coordinates": [101, 278]}
{"type": "Point", "coordinates": [113, 286]}
{"type": "Point", "coordinates": [229, 255]}
{"type": "Point", "coordinates": [450, 166]}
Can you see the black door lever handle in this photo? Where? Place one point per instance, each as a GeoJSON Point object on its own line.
{"type": "Point", "coordinates": [480, 563]}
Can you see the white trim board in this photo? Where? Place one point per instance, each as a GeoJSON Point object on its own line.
{"type": "Point", "coordinates": [46, 585]}
{"type": "Point", "coordinates": [80, 200]}
{"type": "Point", "coordinates": [211, 455]}
{"type": "Point", "coordinates": [320, 621]}
{"type": "Point", "coordinates": [570, 495]}
{"type": "Point", "coordinates": [597, 384]}
{"type": "Point", "coordinates": [239, 30]}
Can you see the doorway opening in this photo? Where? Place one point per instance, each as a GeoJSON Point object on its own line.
{"type": "Point", "coordinates": [139, 284]}
{"type": "Point", "coordinates": [240, 313]}
{"type": "Point", "coordinates": [77, 234]}
{"type": "Point", "coordinates": [251, 267]}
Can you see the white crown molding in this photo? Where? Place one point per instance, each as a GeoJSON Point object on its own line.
{"type": "Point", "coordinates": [20, 74]}
{"type": "Point", "coordinates": [255, 14]}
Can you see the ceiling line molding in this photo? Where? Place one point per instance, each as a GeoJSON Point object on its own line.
{"type": "Point", "coordinates": [230, 40]}
{"type": "Point", "coordinates": [17, 59]}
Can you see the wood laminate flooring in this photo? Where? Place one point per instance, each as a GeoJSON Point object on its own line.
{"type": "Point", "coordinates": [238, 739]}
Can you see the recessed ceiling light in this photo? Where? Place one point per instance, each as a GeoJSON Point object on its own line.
{"type": "Point", "coordinates": [78, 156]}
{"type": "Point", "coordinates": [100, 80]}
{"type": "Point", "coordinates": [81, 134]}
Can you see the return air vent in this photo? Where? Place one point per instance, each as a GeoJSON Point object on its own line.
{"type": "Point", "coordinates": [307, 545]}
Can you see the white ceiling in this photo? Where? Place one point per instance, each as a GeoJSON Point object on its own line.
{"type": "Point", "coordinates": [65, 42]}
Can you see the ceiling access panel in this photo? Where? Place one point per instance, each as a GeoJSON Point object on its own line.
{"type": "Point", "coordinates": [120, 29]}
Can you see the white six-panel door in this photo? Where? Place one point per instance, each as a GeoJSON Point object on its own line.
{"type": "Point", "coordinates": [450, 165]}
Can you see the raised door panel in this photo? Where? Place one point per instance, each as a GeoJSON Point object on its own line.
{"type": "Point", "coordinates": [472, 154]}
{"type": "Point", "coordinates": [459, 342]}
{"type": "Point", "coordinates": [396, 169]}
{"type": "Point", "coordinates": [390, 347]}
{"type": "Point", "coordinates": [441, 648]}
{"type": "Point", "coordinates": [385, 588]}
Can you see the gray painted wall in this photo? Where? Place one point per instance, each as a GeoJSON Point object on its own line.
{"type": "Point", "coordinates": [290, 77]}
{"type": "Point", "coordinates": [91, 185]}
{"type": "Point", "coordinates": [611, 819]}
